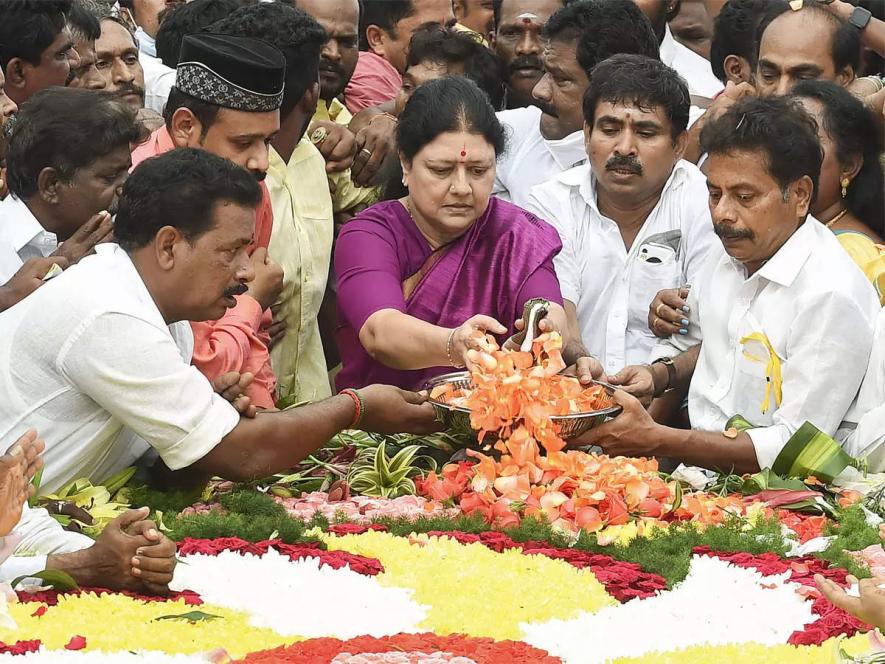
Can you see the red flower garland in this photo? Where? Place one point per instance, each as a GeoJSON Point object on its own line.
{"type": "Point", "coordinates": [50, 597]}
{"type": "Point", "coordinates": [833, 621]}
{"type": "Point", "coordinates": [20, 647]}
{"type": "Point", "coordinates": [481, 650]}
{"type": "Point", "coordinates": [334, 559]}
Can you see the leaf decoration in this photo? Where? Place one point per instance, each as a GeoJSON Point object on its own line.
{"type": "Point", "coordinates": [61, 581]}
{"type": "Point", "coordinates": [190, 616]}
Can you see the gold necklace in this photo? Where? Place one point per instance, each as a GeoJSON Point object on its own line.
{"type": "Point", "coordinates": [832, 221]}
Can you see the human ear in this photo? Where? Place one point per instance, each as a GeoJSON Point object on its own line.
{"type": "Point", "coordinates": [803, 192]}
{"type": "Point", "coordinates": [48, 182]}
{"type": "Point", "coordinates": [406, 166]}
{"type": "Point", "coordinates": [15, 73]}
{"type": "Point", "coordinates": [165, 242]}
{"type": "Point", "coordinates": [375, 37]}
{"type": "Point", "coordinates": [680, 144]}
{"type": "Point", "coordinates": [737, 69]}
{"type": "Point", "coordinates": [845, 76]}
{"type": "Point", "coordinates": [850, 169]}
{"type": "Point", "coordinates": [185, 129]}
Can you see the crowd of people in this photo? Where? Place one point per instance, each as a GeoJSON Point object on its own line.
{"type": "Point", "coordinates": [213, 211]}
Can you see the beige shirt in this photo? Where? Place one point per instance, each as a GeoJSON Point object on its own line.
{"type": "Point", "coordinates": [301, 242]}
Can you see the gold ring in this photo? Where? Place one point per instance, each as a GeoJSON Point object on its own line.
{"type": "Point", "coordinates": [319, 135]}
{"type": "Point", "coordinates": [658, 310]}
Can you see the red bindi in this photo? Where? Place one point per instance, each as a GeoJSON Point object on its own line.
{"type": "Point", "coordinates": [463, 153]}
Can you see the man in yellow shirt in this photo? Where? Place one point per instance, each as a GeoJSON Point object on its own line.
{"type": "Point", "coordinates": [301, 240]}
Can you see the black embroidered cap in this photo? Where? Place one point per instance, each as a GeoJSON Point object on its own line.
{"type": "Point", "coordinates": [233, 72]}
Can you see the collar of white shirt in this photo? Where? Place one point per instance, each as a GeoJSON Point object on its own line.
{"type": "Point", "coordinates": [21, 228]}
{"type": "Point", "coordinates": [582, 177]}
{"type": "Point", "coordinates": [567, 151]}
{"type": "Point", "coordinates": [146, 43]}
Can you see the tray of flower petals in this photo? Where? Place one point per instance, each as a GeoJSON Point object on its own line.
{"type": "Point", "coordinates": [506, 389]}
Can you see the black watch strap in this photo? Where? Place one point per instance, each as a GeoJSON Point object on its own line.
{"type": "Point", "coordinates": [860, 17]}
{"type": "Point", "coordinates": [671, 371]}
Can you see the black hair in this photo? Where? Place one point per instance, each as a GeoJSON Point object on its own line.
{"type": "Point", "coordinates": [66, 129]}
{"type": "Point", "coordinates": [28, 28]}
{"type": "Point", "coordinates": [845, 45]}
{"type": "Point", "coordinates": [450, 103]}
{"type": "Point", "coordinates": [189, 19]}
{"type": "Point", "coordinates": [383, 13]}
{"type": "Point", "coordinates": [179, 188]}
{"type": "Point", "coordinates": [734, 32]}
{"type": "Point", "coordinates": [601, 29]}
{"type": "Point", "coordinates": [777, 126]}
{"type": "Point", "coordinates": [295, 32]}
{"type": "Point", "coordinates": [854, 131]}
{"type": "Point", "coordinates": [83, 23]}
{"type": "Point", "coordinates": [435, 43]}
{"type": "Point", "coordinates": [204, 112]}
{"type": "Point", "coordinates": [643, 82]}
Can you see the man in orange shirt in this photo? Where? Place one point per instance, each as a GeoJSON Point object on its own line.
{"type": "Point", "coordinates": [226, 100]}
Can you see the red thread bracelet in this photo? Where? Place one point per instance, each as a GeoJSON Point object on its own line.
{"type": "Point", "coordinates": [357, 406]}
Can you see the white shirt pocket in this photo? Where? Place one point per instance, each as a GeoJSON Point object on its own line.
{"type": "Point", "coordinates": [655, 266]}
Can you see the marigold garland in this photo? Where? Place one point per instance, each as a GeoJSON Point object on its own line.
{"type": "Point", "coordinates": [481, 650]}
{"type": "Point", "coordinates": [520, 588]}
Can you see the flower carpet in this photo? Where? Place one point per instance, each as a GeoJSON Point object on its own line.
{"type": "Point", "coordinates": [417, 589]}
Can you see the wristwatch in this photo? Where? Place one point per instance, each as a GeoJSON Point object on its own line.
{"type": "Point", "coordinates": [860, 17]}
{"type": "Point", "coordinates": [671, 372]}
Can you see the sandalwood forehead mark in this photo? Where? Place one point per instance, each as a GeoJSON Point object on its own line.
{"type": "Point", "coordinates": [527, 17]}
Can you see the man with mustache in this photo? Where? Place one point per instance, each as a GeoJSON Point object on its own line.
{"type": "Point", "coordinates": [116, 58]}
{"type": "Point", "coordinates": [547, 139]}
{"type": "Point", "coordinates": [781, 321]}
{"type": "Point", "coordinates": [68, 157]}
{"type": "Point", "coordinates": [634, 219]}
{"type": "Point", "coordinates": [517, 41]}
{"type": "Point", "coordinates": [36, 46]}
{"type": "Point", "coordinates": [226, 100]}
{"type": "Point", "coordinates": [185, 222]}
{"type": "Point", "coordinates": [85, 29]}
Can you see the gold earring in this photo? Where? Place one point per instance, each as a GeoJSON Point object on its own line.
{"type": "Point", "coordinates": [845, 183]}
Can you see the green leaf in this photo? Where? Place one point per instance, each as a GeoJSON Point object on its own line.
{"type": "Point", "coordinates": [59, 580]}
{"type": "Point", "coordinates": [190, 616]}
{"type": "Point", "coordinates": [38, 478]}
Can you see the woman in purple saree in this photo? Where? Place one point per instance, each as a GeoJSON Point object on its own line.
{"type": "Point", "coordinates": [417, 277]}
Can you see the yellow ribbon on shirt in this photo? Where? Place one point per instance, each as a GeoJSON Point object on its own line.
{"type": "Point", "coordinates": [773, 378]}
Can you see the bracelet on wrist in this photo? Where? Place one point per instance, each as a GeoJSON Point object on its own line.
{"type": "Point", "coordinates": [359, 407]}
{"type": "Point", "coordinates": [450, 347]}
{"type": "Point", "coordinates": [383, 115]}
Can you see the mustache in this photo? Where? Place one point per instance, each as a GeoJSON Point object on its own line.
{"type": "Point", "coordinates": [130, 88]}
{"type": "Point", "coordinates": [618, 163]}
{"type": "Point", "coordinates": [546, 108]}
{"type": "Point", "coordinates": [259, 175]}
{"type": "Point", "coordinates": [239, 289]}
{"type": "Point", "coordinates": [333, 67]}
{"type": "Point", "coordinates": [525, 62]}
{"type": "Point", "coordinates": [732, 233]}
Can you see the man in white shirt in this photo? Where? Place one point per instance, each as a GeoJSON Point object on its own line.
{"type": "Point", "coordinates": [94, 350]}
{"type": "Point", "coordinates": [68, 156]}
{"type": "Point", "coordinates": [634, 219]}
{"type": "Point", "coordinates": [692, 67]}
{"type": "Point", "coordinates": [547, 139]}
{"type": "Point", "coordinates": [781, 323]}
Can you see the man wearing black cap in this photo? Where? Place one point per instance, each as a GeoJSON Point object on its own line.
{"type": "Point", "coordinates": [226, 100]}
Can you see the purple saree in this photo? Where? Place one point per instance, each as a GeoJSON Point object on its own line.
{"type": "Point", "coordinates": [504, 259]}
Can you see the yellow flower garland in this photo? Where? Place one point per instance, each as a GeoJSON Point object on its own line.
{"type": "Point", "coordinates": [119, 623]}
{"type": "Point", "coordinates": [473, 590]}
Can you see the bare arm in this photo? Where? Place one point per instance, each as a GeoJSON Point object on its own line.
{"type": "Point", "coordinates": [401, 341]}
{"type": "Point", "coordinates": [872, 36]}
{"type": "Point", "coordinates": [275, 441]}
